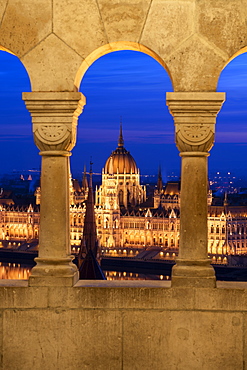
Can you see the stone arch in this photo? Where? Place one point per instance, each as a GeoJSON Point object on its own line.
{"type": "Point", "coordinates": [111, 47]}
{"type": "Point", "coordinates": [3, 48]}
{"type": "Point", "coordinates": [230, 59]}
{"type": "Point", "coordinates": [235, 55]}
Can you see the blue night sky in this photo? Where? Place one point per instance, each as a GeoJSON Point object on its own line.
{"type": "Point", "coordinates": [132, 85]}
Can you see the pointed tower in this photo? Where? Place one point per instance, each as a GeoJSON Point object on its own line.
{"type": "Point", "coordinates": [121, 167]}
{"type": "Point", "coordinates": [225, 202]}
{"type": "Point", "coordinates": [159, 190]}
{"type": "Point", "coordinates": [120, 139]}
{"type": "Point", "coordinates": [159, 182]}
{"type": "Point", "coordinates": [87, 260]}
{"type": "Point", "coordinates": [71, 189]}
{"type": "Point", "coordinates": [84, 180]}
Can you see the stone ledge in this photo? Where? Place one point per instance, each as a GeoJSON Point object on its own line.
{"type": "Point", "coordinates": [13, 283]}
{"type": "Point", "coordinates": [123, 284]}
{"type": "Point", "coordinates": [124, 295]}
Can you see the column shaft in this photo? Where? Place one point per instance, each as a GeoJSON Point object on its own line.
{"type": "Point", "coordinates": [193, 220]}
{"type": "Point", "coordinates": [194, 117]}
{"type": "Point", "coordinates": [54, 209]}
{"type": "Point", "coordinates": [54, 117]}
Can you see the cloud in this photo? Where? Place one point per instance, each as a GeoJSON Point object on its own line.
{"type": "Point", "coordinates": [231, 137]}
{"type": "Point", "coordinates": [105, 135]}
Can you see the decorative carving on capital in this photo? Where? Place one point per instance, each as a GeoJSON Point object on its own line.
{"type": "Point", "coordinates": [199, 138]}
{"type": "Point", "coordinates": [194, 115]}
{"type": "Point", "coordinates": [52, 133]}
{"type": "Point", "coordinates": [54, 117]}
{"type": "Point", "coordinates": [54, 136]}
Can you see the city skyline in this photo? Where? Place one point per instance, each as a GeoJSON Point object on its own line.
{"type": "Point", "coordinates": [130, 85]}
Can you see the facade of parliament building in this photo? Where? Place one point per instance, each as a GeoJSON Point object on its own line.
{"type": "Point", "coordinates": [129, 224]}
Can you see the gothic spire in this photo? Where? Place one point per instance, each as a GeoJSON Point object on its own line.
{"type": "Point", "coordinates": [120, 139]}
{"type": "Point", "coordinates": [159, 182]}
{"type": "Point", "coordinates": [84, 179]}
{"type": "Point", "coordinates": [225, 200]}
{"type": "Point", "coordinates": [87, 260]}
{"type": "Point", "coordinates": [91, 174]}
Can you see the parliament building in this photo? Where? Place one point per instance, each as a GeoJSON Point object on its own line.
{"type": "Point", "coordinates": [129, 224]}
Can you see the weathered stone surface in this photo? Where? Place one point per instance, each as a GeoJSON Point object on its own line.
{"type": "Point", "coordinates": [156, 328]}
{"type": "Point", "coordinates": [223, 23]}
{"type": "Point", "coordinates": [123, 20]}
{"type": "Point", "coordinates": [62, 339]}
{"type": "Point", "coordinates": [3, 5]}
{"type": "Point", "coordinates": [182, 340]}
{"type": "Point", "coordinates": [13, 283]}
{"type": "Point", "coordinates": [221, 299]}
{"type": "Point", "coordinates": [245, 338]}
{"type": "Point", "coordinates": [195, 66]}
{"type": "Point", "coordinates": [84, 32]}
{"type": "Point", "coordinates": [1, 339]}
{"type": "Point", "coordinates": [56, 64]}
{"type": "Point", "coordinates": [25, 24]}
{"type": "Point", "coordinates": [20, 297]}
{"type": "Point", "coordinates": [168, 24]}
{"type": "Point", "coordinates": [121, 298]}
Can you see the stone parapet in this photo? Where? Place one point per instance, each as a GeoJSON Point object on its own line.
{"type": "Point", "coordinates": [145, 325]}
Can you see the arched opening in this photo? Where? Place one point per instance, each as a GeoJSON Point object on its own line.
{"type": "Point", "coordinates": [128, 84]}
{"type": "Point", "coordinates": [230, 150]}
{"type": "Point", "coordinates": [227, 160]}
{"type": "Point", "coordinates": [110, 48]}
{"type": "Point", "coordinates": [17, 146]}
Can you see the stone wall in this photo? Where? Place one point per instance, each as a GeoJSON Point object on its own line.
{"type": "Point", "coordinates": [123, 325]}
{"type": "Point", "coordinates": [57, 40]}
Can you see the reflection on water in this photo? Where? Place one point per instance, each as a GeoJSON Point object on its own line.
{"type": "Point", "coordinates": [14, 271]}
{"type": "Point", "coordinates": [119, 275]}
{"type": "Point", "coordinates": [18, 271]}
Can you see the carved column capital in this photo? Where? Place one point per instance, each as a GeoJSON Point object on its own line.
{"type": "Point", "coordinates": [54, 118]}
{"type": "Point", "coordinates": [194, 116]}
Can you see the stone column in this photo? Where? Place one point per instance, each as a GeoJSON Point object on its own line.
{"type": "Point", "coordinates": [54, 118]}
{"type": "Point", "coordinates": [194, 116]}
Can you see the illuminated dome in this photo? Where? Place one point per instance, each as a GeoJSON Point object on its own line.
{"type": "Point", "coordinates": [120, 161]}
